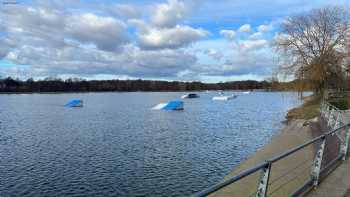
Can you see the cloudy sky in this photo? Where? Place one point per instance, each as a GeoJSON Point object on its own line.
{"type": "Point", "coordinates": [207, 40]}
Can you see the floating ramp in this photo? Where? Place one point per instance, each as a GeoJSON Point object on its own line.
{"type": "Point", "coordinates": [189, 96]}
{"type": "Point", "coordinates": [171, 105]}
{"type": "Point", "coordinates": [224, 98]}
{"type": "Point", "coordinates": [74, 103]}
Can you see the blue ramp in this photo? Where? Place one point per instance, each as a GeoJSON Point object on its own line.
{"type": "Point", "coordinates": [74, 103]}
{"type": "Point", "coordinates": [171, 105]}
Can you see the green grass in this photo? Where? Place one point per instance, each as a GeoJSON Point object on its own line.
{"type": "Point", "coordinates": [341, 103]}
{"type": "Point", "coordinates": [310, 109]}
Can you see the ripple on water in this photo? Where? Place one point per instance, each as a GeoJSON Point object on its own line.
{"type": "Point", "coordinates": [116, 146]}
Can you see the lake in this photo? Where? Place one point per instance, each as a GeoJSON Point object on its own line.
{"type": "Point", "coordinates": [117, 146]}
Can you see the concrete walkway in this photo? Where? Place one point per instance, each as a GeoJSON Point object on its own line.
{"type": "Point", "coordinates": [336, 184]}
{"type": "Point", "coordinates": [292, 135]}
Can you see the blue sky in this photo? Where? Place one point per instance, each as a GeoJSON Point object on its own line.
{"type": "Point", "coordinates": [188, 40]}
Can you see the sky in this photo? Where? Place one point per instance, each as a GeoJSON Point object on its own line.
{"type": "Point", "coordinates": [187, 40]}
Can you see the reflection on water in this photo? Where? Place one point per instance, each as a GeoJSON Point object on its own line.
{"type": "Point", "coordinates": [116, 146]}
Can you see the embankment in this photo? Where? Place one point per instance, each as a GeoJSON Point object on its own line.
{"type": "Point", "coordinates": [286, 174]}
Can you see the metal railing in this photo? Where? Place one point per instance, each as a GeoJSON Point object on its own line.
{"type": "Point", "coordinates": [333, 116]}
{"type": "Point", "coordinates": [321, 164]}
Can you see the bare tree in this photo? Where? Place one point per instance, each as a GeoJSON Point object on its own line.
{"type": "Point", "coordinates": [313, 46]}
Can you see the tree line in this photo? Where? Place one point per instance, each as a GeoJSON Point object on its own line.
{"type": "Point", "coordinates": [80, 85]}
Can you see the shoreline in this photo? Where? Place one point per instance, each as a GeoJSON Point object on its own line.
{"type": "Point", "coordinates": [293, 134]}
{"type": "Point", "coordinates": [83, 92]}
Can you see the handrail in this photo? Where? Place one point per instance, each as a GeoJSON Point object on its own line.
{"type": "Point", "coordinates": [333, 115]}
{"type": "Point", "coordinates": [231, 180]}
{"type": "Point", "coordinates": [268, 162]}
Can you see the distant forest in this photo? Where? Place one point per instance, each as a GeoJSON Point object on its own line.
{"type": "Point", "coordinates": [80, 85]}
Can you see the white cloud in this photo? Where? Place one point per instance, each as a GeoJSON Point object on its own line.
{"type": "Point", "coordinates": [280, 37]}
{"type": "Point", "coordinates": [125, 40]}
{"type": "Point", "coordinates": [4, 48]}
{"type": "Point", "coordinates": [106, 33]}
{"type": "Point", "coordinates": [40, 25]}
{"type": "Point", "coordinates": [237, 63]}
{"type": "Point", "coordinates": [246, 28]}
{"type": "Point", "coordinates": [217, 55]}
{"type": "Point", "coordinates": [256, 35]}
{"type": "Point", "coordinates": [177, 37]}
{"type": "Point", "coordinates": [163, 63]}
{"type": "Point", "coordinates": [140, 25]}
{"type": "Point", "coordinates": [228, 34]}
{"type": "Point", "coordinates": [12, 56]}
{"type": "Point", "coordinates": [238, 58]}
{"type": "Point", "coordinates": [253, 44]}
{"type": "Point", "coordinates": [264, 28]}
{"type": "Point", "coordinates": [65, 42]}
{"type": "Point", "coordinates": [165, 30]}
{"type": "Point", "coordinates": [126, 11]}
{"type": "Point", "coordinates": [170, 14]}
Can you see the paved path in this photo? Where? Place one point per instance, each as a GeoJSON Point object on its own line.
{"type": "Point", "coordinates": [337, 184]}
{"type": "Point", "coordinates": [292, 135]}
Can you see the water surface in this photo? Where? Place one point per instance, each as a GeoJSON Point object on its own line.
{"type": "Point", "coordinates": [116, 146]}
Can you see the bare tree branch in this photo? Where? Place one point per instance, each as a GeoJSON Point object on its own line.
{"type": "Point", "coordinates": [314, 46]}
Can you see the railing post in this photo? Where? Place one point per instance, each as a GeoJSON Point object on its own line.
{"type": "Point", "coordinates": [327, 112]}
{"type": "Point", "coordinates": [345, 144]}
{"type": "Point", "coordinates": [264, 181]}
{"type": "Point", "coordinates": [323, 109]}
{"type": "Point", "coordinates": [330, 118]}
{"type": "Point", "coordinates": [337, 121]}
{"type": "Point", "coordinates": [316, 167]}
